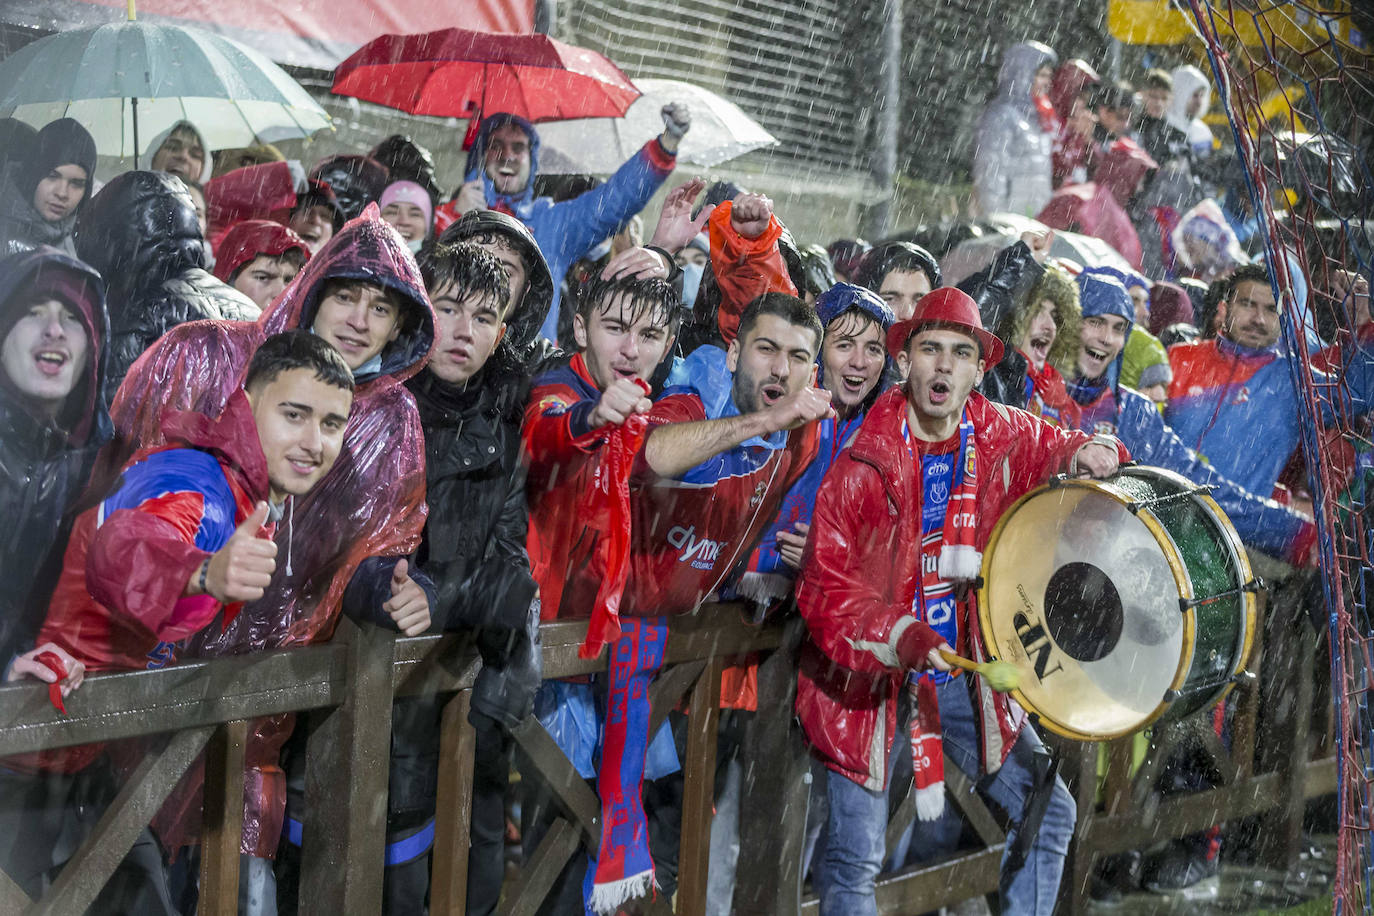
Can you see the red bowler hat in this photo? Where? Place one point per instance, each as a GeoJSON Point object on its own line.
{"type": "Point", "coordinates": [952, 308]}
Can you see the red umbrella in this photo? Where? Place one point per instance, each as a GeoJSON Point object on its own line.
{"type": "Point", "coordinates": [460, 73]}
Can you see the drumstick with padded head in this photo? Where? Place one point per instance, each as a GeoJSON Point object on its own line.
{"type": "Point", "coordinates": [1001, 676]}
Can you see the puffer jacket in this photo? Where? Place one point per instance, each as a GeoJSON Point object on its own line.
{"type": "Point", "coordinates": [370, 504]}
{"type": "Point", "coordinates": [998, 289]}
{"type": "Point", "coordinates": [474, 550]}
{"type": "Point", "coordinates": [141, 233]}
{"type": "Point", "coordinates": [1012, 151]}
{"type": "Point", "coordinates": [862, 567]}
{"type": "Point", "coordinates": [44, 463]}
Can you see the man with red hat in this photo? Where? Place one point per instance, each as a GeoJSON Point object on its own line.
{"type": "Point", "coordinates": [896, 539]}
{"type": "Point", "coordinates": [259, 258]}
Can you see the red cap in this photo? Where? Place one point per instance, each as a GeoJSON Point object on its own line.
{"type": "Point", "coordinates": [952, 308]}
{"type": "Point", "coordinates": [253, 237]}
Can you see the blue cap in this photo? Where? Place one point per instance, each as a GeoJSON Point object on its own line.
{"type": "Point", "coordinates": [842, 297]}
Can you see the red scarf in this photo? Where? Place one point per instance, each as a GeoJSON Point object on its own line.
{"type": "Point", "coordinates": [1048, 398]}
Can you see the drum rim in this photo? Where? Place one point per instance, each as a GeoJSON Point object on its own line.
{"type": "Point", "coordinates": [1238, 555]}
{"type": "Point", "coordinates": [1181, 578]}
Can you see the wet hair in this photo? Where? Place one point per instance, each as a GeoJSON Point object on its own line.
{"type": "Point", "coordinates": [1246, 273]}
{"type": "Point", "coordinates": [1158, 79]}
{"type": "Point", "coordinates": [896, 256]}
{"type": "Point", "coordinates": [655, 298]}
{"type": "Point", "coordinates": [474, 271]}
{"type": "Point", "coordinates": [298, 349]}
{"type": "Point", "coordinates": [788, 308]}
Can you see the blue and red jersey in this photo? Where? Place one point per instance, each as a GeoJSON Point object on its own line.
{"type": "Point", "coordinates": [560, 451]}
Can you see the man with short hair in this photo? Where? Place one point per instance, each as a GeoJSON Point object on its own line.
{"type": "Point", "coordinates": [260, 258]}
{"type": "Point", "coordinates": [1162, 140]}
{"type": "Point", "coordinates": [362, 293]}
{"type": "Point", "coordinates": [895, 543]}
{"type": "Point", "coordinates": [1236, 389]}
{"type": "Point", "coordinates": [1109, 406]}
{"type": "Point", "coordinates": [532, 287]}
{"type": "Point", "coordinates": [900, 273]}
{"type": "Point", "coordinates": [179, 545]}
{"type": "Point", "coordinates": [501, 168]}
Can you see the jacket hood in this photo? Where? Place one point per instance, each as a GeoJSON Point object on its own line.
{"type": "Point", "coordinates": [522, 327]}
{"type": "Point", "coordinates": [1188, 80]}
{"type": "Point", "coordinates": [1057, 286]}
{"type": "Point", "coordinates": [232, 438]}
{"type": "Point", "coordinates": [26, 226]}
{"type": "Point", "coordinates": [370, 250]}
{"type": "Point", "coordinates": [1169, 304]}
{"type": "Point", "coordinates": [62, 142]}
{"type": "Point", "coordinates": [477, 157]}
{"type": "Point", "coordinates": [139, 231]}
{"type": "Point", "coordinates": [1121, 169]}
{"type": "Point", "coordinates": [1102, 294]}
{"type": "Point", "coordinates": [1017, 75]}
{"type": "Point", "coordinates": [145, 161]}
{"type": "Point", "coordinates": [247, 240]}
{"type": "Point", "coordinates": [1072, 77]}
{"type": "Point", "coordinates": [83, 415]}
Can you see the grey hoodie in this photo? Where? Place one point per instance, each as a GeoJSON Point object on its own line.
{"type": "Point", "coordinates": [1011, 154]}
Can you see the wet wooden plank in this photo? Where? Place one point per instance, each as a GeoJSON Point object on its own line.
{"type": "Point", "coordinates": [222, 829]}
{"type": "Point", "coordinates": [453, 809]}
{"type": "Point", "coordinates": [537, 877]}
{"type": "Point", "coordinates": [698, 793]}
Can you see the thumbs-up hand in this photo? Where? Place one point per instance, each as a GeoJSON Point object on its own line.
{"type": "Point", "coordinates": [409, 606]}
{"type": "Point", "coordinates": [242, 569]}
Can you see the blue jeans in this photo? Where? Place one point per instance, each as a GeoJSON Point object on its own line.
{"type": "Point", "coordinates": [849, 850]}
{"type": "Point", "coordinates": [1034, 887]}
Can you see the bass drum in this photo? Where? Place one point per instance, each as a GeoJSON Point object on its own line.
{"type": "Point", "coordinates": [1120, 600]}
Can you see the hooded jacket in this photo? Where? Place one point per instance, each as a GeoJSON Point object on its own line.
{"type": "Point", "coordinates": [1012, 151]}
{"type": "Point", "coordinates": [1000, 290]}
{"type": "Point", "coordinates": [118, 605]}
{"type": "Point", "coordinates": [1075, 157]}
{"type": "Point", "coordinates": [22, 227]}
{"type": "Point", "coordinates": [370, 504]}
{"type": "Point", "coordinates": [1098, 207]}
{"type": "Point", "coordinates": [566, 231]}
{"type": "Point", "coordinates": [862, 567]}
{"type": "Point", "coordinates": [1014, 381]}
{"type": "Point", "coordinates": [141, 233]}
{"type": "Point", "coordinates": [1110, 407]}
{"type": "Point", "coordinates": [1188, 80]}
{"type": "Point", "coordinates": [247, 240]}
{"type": "Point", "coordinates": [145, 162]}
{"type": "Point", "coordinates": [44, 464]}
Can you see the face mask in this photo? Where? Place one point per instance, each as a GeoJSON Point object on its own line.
{"type": "Point", "coordinates": [415, 245]}
{"type": "Point", "coordinates": [691, 283]}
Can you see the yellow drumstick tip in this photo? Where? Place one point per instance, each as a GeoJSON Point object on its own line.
{"type": "Point", "coordinates": [1001, 676]}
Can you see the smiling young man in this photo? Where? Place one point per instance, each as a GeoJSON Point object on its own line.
{"type": "Point", "coordinates": [1110, 407]}
{"type": "Point", "coordinates": [895, 542]}
{"type": "Point", "coordinates": [349, 535]}
{"type": "Point", "coordinates": [180, 544]}
{"type": "Point", "coordinates": [180, 151]}
{"type": "Point", "coordinates": [503, 163]}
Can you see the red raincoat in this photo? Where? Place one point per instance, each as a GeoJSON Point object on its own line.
{"type": "Point", "coordinates": [372, 502]}
{"type": "Point", "coordinates": [1098, 208]}
{"type": "Point", "coordinates": [744, 268]}
{"type": "Point", "coordinates": [862, 567]}
{"type": "Point", "coordinates": [118, 604]}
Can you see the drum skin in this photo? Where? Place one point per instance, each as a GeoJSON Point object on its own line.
{"type": "Point", "coordinates": [1121, 601]}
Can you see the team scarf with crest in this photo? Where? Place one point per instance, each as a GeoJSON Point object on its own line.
{"type": "Point", "coordinates": [959, 564]}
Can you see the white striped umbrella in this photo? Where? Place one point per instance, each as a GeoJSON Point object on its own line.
{"type": "Point", "coordinates": [136, 79]}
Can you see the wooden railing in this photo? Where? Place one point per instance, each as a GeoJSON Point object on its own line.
{"type": "Point", "coordinates": [347, 688]}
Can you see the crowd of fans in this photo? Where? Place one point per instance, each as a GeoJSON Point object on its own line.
{"type": "Point", "coordinates": [241, 399]}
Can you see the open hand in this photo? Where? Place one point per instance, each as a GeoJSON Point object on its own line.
{"type": "Point", "coordinates": [675, 224]}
